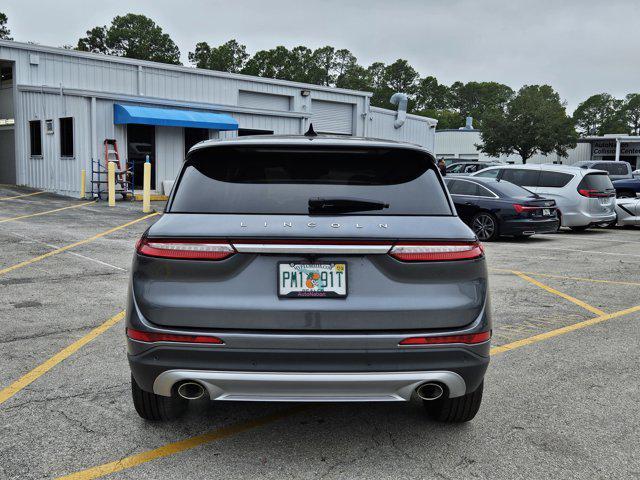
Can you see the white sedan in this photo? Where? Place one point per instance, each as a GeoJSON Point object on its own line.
{"type": "Point", "coordinates": [628, 211]}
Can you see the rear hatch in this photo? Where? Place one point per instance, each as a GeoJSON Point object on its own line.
{"type": "Point", "coordinates": [309, 238]}
{"type": "Point", "coordinates": [597, 187]}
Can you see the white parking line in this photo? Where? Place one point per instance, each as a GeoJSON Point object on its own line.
{"type": "Point", "coordinates": [574, 250]}
{"type": "Point", "coordinates": [95, 260]}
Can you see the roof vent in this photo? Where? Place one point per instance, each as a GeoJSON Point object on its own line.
{"type": "Point", "coordinates": [468, 124]}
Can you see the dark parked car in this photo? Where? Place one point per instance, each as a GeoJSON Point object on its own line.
{"type": "Point", "coordinates": [308, 269]}
{"type": "Point", "coordinates": [620, 173]}
{"type": "Point", "coordinates": [496, 207]}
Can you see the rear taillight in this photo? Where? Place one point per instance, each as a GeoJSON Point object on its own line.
{"type": "Point", "coordinates": [186, 249]}
{"type": "Point", "coordinates": [593, 193]}
{"type": "Point", "coordinates": [436, 252]}
{"type": "Point", "coordinates": [523, 208]}
{"type": "Point", "coordinates": [169, 337]}
{"type": "Point", "coordinates": [470, 338]}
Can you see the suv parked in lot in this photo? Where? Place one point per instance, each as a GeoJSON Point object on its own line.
{"type": "Point", "coordinates": [584, 197]}
{"type": "Point", "coordinates": [308, 269]}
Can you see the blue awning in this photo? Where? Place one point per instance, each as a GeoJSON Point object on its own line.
{"type": "Point", "coordinates": [171, 117]}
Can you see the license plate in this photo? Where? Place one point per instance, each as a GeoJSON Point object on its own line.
{"type": "Point", "coordinates": [546, 212]}
{"type": "Point", "coordinates": [605, 201]}
{"type": "Point", "coordinates": [312, 280]}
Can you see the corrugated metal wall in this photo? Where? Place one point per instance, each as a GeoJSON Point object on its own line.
{"type": "Point", "coordinates": [51, 171]}
{"type": "Point", "coordinates": [415, 129]}
{"type": "Point", "coordinates": [264, 101]}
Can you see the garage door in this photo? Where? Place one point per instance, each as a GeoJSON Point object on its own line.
{"type": "Point", "coordinates": [264, 101]}
{"type": "Point", "coordinates": [332, 117]}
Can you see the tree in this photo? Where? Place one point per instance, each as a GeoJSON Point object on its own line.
{"type": "Point", "coordinates": [95, 41]}
{"type": "Point", "coordinates": [473, 99]}
{"type": "Point", "coordinates": [4, 30]}
{"type": "Point", "coordinates": [632, 112]}
{"type": "Point", "coordinates": [132, 36]}
{"type": "Point", "coordinates": [534, 121]}
{"type": "Point", "coordinates": [431, 95]}
{"type": "Point", "coordinates": [274, 63]}
{"type": "Point", "coordinates": [228, 57]}
{"type": "Point", "coordinates": [600, 114]}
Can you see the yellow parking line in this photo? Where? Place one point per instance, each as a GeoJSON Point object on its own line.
{"type": "Point", "coordinates": [562, 330]}
{"type": "Point", "coordinates": [25, 380]}
{"type": "Point", "coordinates": [73, 245]}
{"type": "Point", "coordinates": [564, 277]}
{"type": "Point", "coordinates": [11, 219]}
{"type": "Point", "coordinates": [190, 443]}
{"type": "Point", "coordinates": [20, 196]}
{"type": "Point", "coordinates": [180, 446]}
{"type": "Point", "coordinates": [574, 300]}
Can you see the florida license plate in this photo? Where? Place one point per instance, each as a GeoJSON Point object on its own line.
{"type": "Point", "coordinates": [312, 280]}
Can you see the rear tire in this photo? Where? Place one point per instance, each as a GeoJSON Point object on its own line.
{"type": "Point", "coordinates": [580, 228]}
{"type": "Point", "coordinates": [455, 410]}
{"type": "Point", "coordinates": [485, 226]}
{"type": "Point", "coordinates": [156, 407]}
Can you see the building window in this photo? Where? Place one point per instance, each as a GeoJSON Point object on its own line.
{"type": "Point", "coordinates": [35, 138]}
{"type": "Point", "coordinates": [66, 137]}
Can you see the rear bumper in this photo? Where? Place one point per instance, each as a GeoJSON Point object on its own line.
{"type": "Point", "coordinates": [584, 219]}
{"type": "Point", "coordinates": [309, 374]}
{"type": "Point", "coordinates": [309, 387]}
{"type": "Point", "coordinates": [529, 226]}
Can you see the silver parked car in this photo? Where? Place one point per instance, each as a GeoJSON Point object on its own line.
{"type": "Point", "coordinates": [309, 269]}
{"type": "Point", "coordinates": [584, 197]}
{"type": "Point", "coordinates": [628, 211]}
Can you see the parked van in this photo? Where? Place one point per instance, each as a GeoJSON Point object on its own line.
{"type": "Point", "coordinates": [584, 197]}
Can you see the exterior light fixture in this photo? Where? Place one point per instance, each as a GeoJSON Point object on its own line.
{"type": "Point", "coordinates": [305, 93]}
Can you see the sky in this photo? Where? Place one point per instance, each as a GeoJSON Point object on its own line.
{"type": "Point", "coordinates": [580, 47]}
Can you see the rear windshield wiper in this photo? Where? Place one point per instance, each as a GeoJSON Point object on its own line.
{"type": "Point", "coordinates": [343, 205]}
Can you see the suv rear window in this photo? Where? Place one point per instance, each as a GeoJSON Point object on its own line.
{"type": "Point", "coordinates": [596, 181]}
{"type": "Point", "coordinates": [282, 180]}
{"type": "Point", "coordinates": [522, 177]}
{"type": "Point", "coordinates": [554, 179]}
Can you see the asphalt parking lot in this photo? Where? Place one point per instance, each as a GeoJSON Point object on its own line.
{"type": "Point", "coordinates": [562, 395]}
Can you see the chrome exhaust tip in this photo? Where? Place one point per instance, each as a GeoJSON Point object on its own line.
{"type": "Point", "coordinates": [429, 391]}
{"type": "Point", "coordinates": [190, 390]}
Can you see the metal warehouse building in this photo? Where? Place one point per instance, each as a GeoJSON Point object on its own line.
{"type": "Point", "coordinates": [58, 106]}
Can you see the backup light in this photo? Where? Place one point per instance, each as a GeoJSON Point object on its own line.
{"type": "Point", "coordinates": [187, 249]}
{"type": "Point", "coordinates": [471, 338]}
{"type": "Point", "coordinates": [436, 252]}
{"type": "Point", "coordinates": [152, 337]}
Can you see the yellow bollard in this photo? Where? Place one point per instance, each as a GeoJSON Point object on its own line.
{"type": "Point", "coordinates": [146, 187]}
{"type": "Point", "coordinates": [111, 179]}
{"type": "Point", "coordinates": [83, 181]}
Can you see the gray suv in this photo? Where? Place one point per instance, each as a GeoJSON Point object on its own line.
{"type": "Point", "coordinates": [308, 269]}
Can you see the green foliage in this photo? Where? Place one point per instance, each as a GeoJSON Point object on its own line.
{"type": "Point", "coordinates": [600, 114]}
{"type": "Point", "coordinates": [228, 57]}
{"type": "Point", "coordinates": [632, 112]}
{"type": "Point", "coordinates": [4, 30]}
{"type": "Point", "coordinates": [132, 36]}
{"type": "Point", "coordinates": [533, 121]}
{"type": "Point", "coordinates": [474, 99]}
